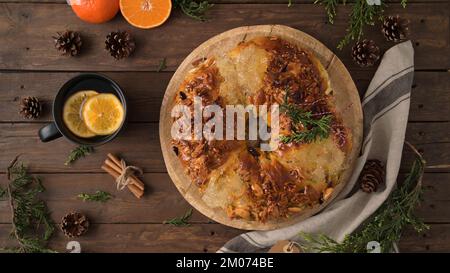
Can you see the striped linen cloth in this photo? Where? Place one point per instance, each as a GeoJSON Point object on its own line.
{"type": "Point", "coordinates": [385, 106]}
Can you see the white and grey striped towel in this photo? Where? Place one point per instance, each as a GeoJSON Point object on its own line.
{"type": "Point", "coordinates": [385, 106]}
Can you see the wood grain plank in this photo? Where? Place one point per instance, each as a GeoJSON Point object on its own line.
{"type": "Point", "coordinates": [28, 33]}
{"type": "Point", "coordinates": [435, 154]}
{"type": "Point", "coordinates": [430, 94]}
{"type": "Point", "coordinates": [145, 90]}
{"type": "Point", "coordinates": [139, 143]}
{"type": "Point", "coordinates": [437, 239]}
{"type": "Point", "coordinates": [162, 200]}
{"type": "Point", "coordinates": [141, 238]}
{"type": "Point", "coordinates": [436, 198]}
{"type": "Point", "coordinates": [200, 238]}
{"type": "Point", "coordinates": [428, 132]}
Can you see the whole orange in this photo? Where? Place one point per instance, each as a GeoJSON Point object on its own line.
{"type": "Point", "coordinates": [95, 11]}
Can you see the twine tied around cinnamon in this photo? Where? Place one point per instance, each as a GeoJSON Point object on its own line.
{"type": "Point", "coordinates": [127, 171]}
{"type": "Point", "coordinates": [124, 175]}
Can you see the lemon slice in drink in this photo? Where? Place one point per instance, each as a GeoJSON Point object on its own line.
{"type": "Point", "coordinates": [103, 114]}
{"type": "Point", "coordinates": [72, 115]}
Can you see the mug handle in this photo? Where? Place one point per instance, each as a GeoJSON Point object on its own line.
{"type": "Point", "coordinates": [49, 132]}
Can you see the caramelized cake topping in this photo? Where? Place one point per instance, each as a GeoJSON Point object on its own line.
{"type": "Point", "coordinates": [236, 175]}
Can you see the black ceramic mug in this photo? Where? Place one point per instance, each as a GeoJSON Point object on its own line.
{"type": "Point", "coordinates": [97, 82]}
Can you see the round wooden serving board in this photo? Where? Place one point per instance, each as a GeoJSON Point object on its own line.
{"type": "Point", "coordinates": [346, 98]}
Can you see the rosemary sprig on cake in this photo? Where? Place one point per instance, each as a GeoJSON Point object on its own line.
{"type": "Point", "coordinates": [98, 196]}
{"type": "Point", "coordinates": [389, 220]}
{"type": "Point", "coordinates": [31, 223]}
{"type": "Point", "coordinates": [313, 128]}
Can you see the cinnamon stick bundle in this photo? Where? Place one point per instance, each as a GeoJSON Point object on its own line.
{"type": "Point", "coordinates": [113, 166]}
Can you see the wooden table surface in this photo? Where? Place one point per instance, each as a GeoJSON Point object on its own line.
{"type": "Point", "coordinates": [31, 66]}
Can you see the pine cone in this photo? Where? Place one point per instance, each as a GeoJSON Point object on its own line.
{"type": "Point", "coordinates": [69, 43]}
{"type": "Point", "coordinates": [395, 28]}
{"type": "Point", "coordinates": [365, 53]}
{"type": "Point", "coordinates": [30, 107]}
{"type": "Point", "coordinates": [120, 44]}
{"type": "Point", "coordinates": [372, 175]}
{"type": "Point", "coordinates": [74, 224]}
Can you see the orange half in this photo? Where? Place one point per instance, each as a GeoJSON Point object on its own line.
{"type": "Point", "coordinates": [146, 13]}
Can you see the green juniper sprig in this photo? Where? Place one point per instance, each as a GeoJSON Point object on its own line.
{"type": "Point", "coordinates": [180, 221]}
{"type": "Point", "coordinates": [31, 223]}
{"type": "Point", "coordinates": [388, 222]}
{"type": "Point", "coordinates": [330, 7]}
{"type": "Point", "coordinates": [314, 128]}
{"type": "Point", "coordinates": [78, 152]}
{"type": "Point", "coordinates": [193, 8]}
{"type": "Point", "coordinates": [403, 3]}
{"type": "Point", "coordinates": [362, 14]}
{"type": "Point", "coordinates": [98, 196]}
{"type": "Point", "coordinates": [162, 65]}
